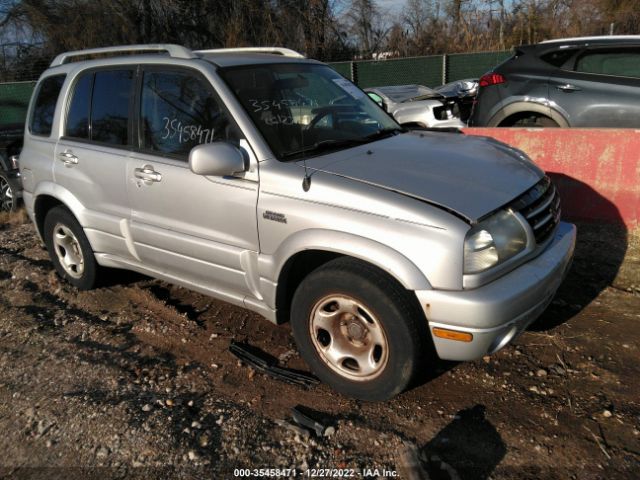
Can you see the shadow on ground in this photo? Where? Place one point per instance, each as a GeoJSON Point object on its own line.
{"type": "Point", "coordinates": [468, 448]}
{"type": "Point", "coordinates": [600, 250]}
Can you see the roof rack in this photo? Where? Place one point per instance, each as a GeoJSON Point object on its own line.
{"type": "Point", "coordinates": [286, 52]}
{"type": "Point", "coordinates": [598, 37]}
{"type": "Point", "coordinates": [176, 51]}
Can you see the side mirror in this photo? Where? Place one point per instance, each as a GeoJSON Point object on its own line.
{"type": "Point", "coordinates": [378, 99]}
{"type": "Point", "coordinates": [219, 159]}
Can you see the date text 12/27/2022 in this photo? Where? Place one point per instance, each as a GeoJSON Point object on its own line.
{"type": "Point", "coordinates": [315, 473]}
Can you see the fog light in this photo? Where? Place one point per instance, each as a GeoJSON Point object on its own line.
{"type": "Point", "coordinates": [452, 334]}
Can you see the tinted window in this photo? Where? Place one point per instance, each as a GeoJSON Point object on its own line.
{"type": "Point", "coordinates": [179, 111]}
{"type": "Point", "coordinates": [110, 106]}
{"type": "Point", "coordinates": [559, 57]}
{"type": "Point", "coordinates": [78, 116]}
{"type": "Point", "coordinates": [621, 62]}
{"type": "Point", "coordinates": [45, 106]}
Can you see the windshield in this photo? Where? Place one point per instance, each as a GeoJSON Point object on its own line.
{"type": "Point", "coordinates": [305, 109]}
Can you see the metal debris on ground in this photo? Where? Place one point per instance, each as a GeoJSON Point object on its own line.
{"type": "Point", "coordinates": [265, 363]}
{"type": "Point", "coordinates": [303, 417]}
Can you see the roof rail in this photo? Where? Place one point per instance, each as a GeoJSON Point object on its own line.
{"type": "Point", "coordinates": [176, 51]}
{"type": "Point", "coordinates": [287, 52]}
{"type": "Point", "coordinates": [598, 37]}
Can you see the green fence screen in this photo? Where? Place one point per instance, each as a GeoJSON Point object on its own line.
{"type": "Point", "coordinates": [473, 65]}
{"type": "Point", "coordinates": [14, 101]}
{"type": "Point", "coordinates": [402, 71]}
{"type": "Point", "coordinates": [420, 70]}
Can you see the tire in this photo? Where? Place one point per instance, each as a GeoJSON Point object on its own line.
{"type": "Point", "coordinates": [8, 199]}
{"type": "Point", "coordinates": [534, 120]}
{"type": "Point", "coordinates": [352, 306]}
{"type": "Point", "coordinates": [69, 249]}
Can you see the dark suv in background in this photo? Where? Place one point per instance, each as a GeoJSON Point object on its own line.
{"type": "Point", "coordinates": [574, 82]}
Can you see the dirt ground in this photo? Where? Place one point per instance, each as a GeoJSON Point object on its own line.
{"type": "Point", "coordinates": [135, 380]}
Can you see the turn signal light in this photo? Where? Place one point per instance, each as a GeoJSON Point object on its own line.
{"type": "Point", "coordinates": [452, 334]}
{"type": "Point", "coordinates": [492, 79]}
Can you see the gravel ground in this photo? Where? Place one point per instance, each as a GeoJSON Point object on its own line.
{"type": "Point", "coordinates": [135, 380]}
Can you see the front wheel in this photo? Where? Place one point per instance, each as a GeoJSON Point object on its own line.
{"type": "Point", "coordinates": [359, 331]}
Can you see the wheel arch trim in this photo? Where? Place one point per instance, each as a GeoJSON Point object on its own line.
{"type": "Point", "coordinates": [387, 259]}
{"type": "Point", "coordinates": [62, 195]}
{"type": "Point", "coordinates": [527, 106]}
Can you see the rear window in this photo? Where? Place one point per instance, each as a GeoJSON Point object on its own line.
{"type": "Point", "coordinates": [110, 106]}
{"type": "Point", "coordinates": [79, 110]}
{"type": "Point", "coordinates": [45, 105]}
{"type": "Point", "coordinates": [619, 62]}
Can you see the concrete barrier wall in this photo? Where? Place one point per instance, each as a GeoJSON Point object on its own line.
{"type": "Point", "coordinates": [596, 170]}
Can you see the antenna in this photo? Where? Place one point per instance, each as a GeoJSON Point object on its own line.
{"type": "Point", "coordinates": [306, 181]}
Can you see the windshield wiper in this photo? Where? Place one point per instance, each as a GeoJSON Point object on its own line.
{"type": "Point", "coordinates": [345, 142]}
{"type": "Point", "coordinates": [327, 145]}
{"type": "Point", "coordinates": [384, 132]}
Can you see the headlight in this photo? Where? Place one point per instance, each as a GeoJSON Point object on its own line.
{"type": "Point", "coordinates": [493, 241]}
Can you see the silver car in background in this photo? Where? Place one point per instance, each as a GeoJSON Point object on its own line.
{"type": "Point", "coordinates": [417, 105]}
{"type": "Point", "coordinates": [269, 181]}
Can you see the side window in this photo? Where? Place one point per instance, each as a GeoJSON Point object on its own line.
{"type": "Point", "coordinates": [110, 106]}
{"type": "Point", "coordinates": [178, 111]}
{"type": "Point", "coordinates": [620, 62]}
{"type": "Point", "coordinates": [79, 110]}
{"type": "Point", "coordinates": [45, 105]}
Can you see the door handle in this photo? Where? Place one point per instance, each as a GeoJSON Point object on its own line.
{"type": "Point", "coordinates": [568, 88]}
{"type": "Point", "coordinates": [68, 158]}
{"type": "Point", "coordinates": [147, 174]}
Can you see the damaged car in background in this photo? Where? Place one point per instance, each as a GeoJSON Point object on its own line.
{"type": "Point", "coordinates": [417, 106]}
{"type": "Point", "coordinates": [11, 136]}
{"type": "Point", "coordinates": [463, 92]}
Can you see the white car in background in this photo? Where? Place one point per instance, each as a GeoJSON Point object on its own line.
{"type": "Point", "coordinates": [417, 105]}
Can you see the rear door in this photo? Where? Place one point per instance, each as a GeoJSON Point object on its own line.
{"type": "Point", "coordinates": [191, 227]}
{"type": "Point", "coordinates": [601, 88]}
{"type": "Point", "coordinates": [91, 156]}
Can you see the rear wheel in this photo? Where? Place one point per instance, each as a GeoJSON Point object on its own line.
{"type": "Point", "coordinates": [8, 199]}
{"type": "Point", "coordinates": [531, 120]}
{"type": "Point", "coordinates": [358, 329]}
{"type": "Point", "coordinates": [69, 249]}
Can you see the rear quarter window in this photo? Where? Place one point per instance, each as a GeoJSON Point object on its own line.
{"type": "Point", "coordinates": [559, 58]}
{"type": "Point", "coordinates": [44, 107]}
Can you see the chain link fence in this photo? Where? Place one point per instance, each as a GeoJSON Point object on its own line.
{"type": "Point", "coordinates": [431, 70]}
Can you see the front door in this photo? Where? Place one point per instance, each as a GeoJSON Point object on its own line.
{"type": "Point", "coordinates": [187, 226]}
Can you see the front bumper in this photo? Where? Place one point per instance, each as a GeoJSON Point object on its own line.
{"type": "Point", "coordinates": [498, 312]}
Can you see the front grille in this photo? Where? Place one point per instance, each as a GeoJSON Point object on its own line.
{"type": "Point", "coordinates": [540, 206]}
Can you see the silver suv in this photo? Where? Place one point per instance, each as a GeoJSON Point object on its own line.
{"type": "Point", "coordinates": [269, 181]}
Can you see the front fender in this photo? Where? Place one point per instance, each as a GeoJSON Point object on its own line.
{"type": "Point", "coordinates": [378, 254]}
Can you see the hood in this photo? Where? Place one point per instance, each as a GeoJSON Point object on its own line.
{"type": "Point", "coordinates": [467, 174]}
